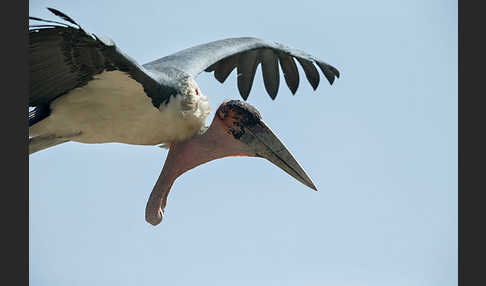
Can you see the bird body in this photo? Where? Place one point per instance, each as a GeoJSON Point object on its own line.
{"type": "Point", "coordinates": [114, 108]}
{"type": "Point", "coordinates": [85, 89]}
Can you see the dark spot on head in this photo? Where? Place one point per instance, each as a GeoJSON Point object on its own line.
{"type": "Point", "coordinates": [241, 110]}
{"type": "Point", "coordinates": [237, 114]}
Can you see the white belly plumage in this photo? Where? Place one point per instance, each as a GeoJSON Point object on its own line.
{"type": "Point", "coordinates": [115, 108]}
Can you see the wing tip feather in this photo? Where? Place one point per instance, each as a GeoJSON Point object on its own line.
{"type": "Point", "coordinates": [64, 17]}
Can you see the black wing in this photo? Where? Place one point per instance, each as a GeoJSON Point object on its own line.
{"type": "Point", "coordinates": [63, 57]}
{"type": "Point", "coordinates": [245, 54]}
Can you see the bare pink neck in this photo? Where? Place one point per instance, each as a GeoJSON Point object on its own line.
{"type": "Point", "coordinates": [215, 143]}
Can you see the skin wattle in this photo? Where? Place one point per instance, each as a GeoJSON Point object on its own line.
{"type": "Point", "coordinates": [215, 143]}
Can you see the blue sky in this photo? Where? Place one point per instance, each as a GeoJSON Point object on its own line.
{"type": "Point", "coordinates": [380, 145]}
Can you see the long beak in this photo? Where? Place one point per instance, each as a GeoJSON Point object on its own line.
{"type": "Point", "coordinates": [266, 144]}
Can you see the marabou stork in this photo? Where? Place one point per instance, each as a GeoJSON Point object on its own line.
{"type": "Point", "coordinates": [84, 89]}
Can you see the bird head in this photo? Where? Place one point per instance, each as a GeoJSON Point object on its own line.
{"type": "Point", "coordinates": [244, 123]}
{"type": "Point", "coordinates": [237, 130]}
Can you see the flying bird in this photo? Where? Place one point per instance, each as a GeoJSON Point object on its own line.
{"type": "Point", "coordinates": [83, 88]}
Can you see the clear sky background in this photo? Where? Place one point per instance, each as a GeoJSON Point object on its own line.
{"type": "Point", "coordinates": [380, 144]}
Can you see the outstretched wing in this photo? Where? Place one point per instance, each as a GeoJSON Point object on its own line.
{"type": "Point", "coordinates": [63, 57]}
{"type": "Point", "coordinates": [245, 54]}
